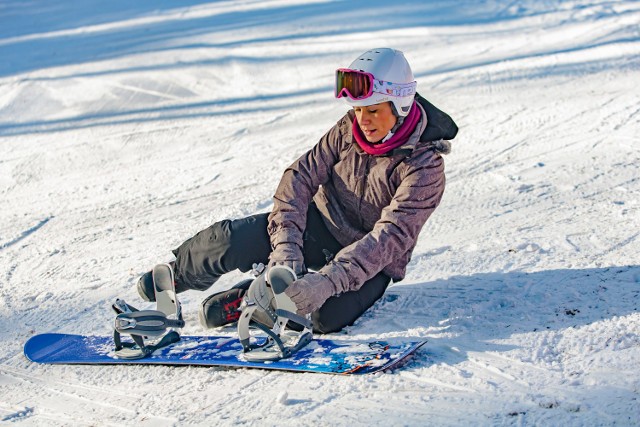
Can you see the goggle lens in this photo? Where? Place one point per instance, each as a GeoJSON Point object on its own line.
{"type": "Point", "coordinates": [354, 84]}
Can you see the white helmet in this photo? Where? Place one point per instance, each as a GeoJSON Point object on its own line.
{"type": "Point", "coordinates": [376, 76]}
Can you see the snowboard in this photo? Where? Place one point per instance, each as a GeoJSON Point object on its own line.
{"type": "Point", "coordinates": [320, 356]}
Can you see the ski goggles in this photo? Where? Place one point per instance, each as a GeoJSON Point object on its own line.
{"type": "Point", "coordinates": [359, 85]}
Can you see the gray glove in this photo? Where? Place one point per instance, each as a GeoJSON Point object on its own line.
{"type": "Point", "coordinates": [310, 291]}
{"type": "Point", "coordinates": [289, 255]}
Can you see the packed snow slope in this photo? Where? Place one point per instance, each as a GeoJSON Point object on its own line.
{"type": "Point", "coordinates": [128, 126]}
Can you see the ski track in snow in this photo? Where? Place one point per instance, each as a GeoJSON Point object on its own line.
{"type": "Point", "coordinates": [125, 128]}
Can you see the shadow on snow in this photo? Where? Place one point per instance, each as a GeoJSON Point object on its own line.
{"type": "Point", "coordinates": [472, 312]}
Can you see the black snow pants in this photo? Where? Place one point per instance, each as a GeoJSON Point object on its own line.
{"type": "Point", "coordinates": [238, 244]}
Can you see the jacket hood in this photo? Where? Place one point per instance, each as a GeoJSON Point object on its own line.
{"type": "Point", "coordinates": [439, 124]}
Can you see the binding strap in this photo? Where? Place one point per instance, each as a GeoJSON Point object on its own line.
{"type": "Point", "coordinates": [138, 349]}
{"type": "Point", "coordinates": [140, 325]}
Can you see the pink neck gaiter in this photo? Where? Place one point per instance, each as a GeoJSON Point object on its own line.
{"type": "Point", "coordinates": [400, 137]}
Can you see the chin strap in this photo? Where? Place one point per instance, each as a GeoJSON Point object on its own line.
{"type": "Point", "coordinates": [266, 295]}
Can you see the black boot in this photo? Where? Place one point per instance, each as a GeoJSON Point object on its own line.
{"type": "Point", "coordinates": [222, 308]}
{"type": "Point", "coordinates": [145, 285]}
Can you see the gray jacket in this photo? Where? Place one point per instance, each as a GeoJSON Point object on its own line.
{"type": "Point", "coordinates": [373, 205]}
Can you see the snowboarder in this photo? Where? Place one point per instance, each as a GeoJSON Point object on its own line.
{"type": "Point", "coordinates": [346, 214]}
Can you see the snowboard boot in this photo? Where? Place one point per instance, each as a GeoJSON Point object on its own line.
{"type": "Point", "coordinates": [145, 285]}
{"type": "Point", "coordinates": [222, 308]}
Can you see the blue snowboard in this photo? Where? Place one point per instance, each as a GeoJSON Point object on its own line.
{"type": "Point", "coordinates": [321, 355]}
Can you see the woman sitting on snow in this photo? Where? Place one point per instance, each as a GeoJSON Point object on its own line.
{"type": "Point", "coordinates": [350, 209]}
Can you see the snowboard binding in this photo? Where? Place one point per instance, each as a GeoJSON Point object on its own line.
{"type": "Point", "coordinates": [144, 324]}
{"type": "Point", "coordinates": [266, 296]}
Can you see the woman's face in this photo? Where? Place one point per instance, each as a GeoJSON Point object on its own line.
{"type": "Point", "coordinates": [375, 121]}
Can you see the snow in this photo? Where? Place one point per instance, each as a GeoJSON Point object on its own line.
{"type": "Point", "coordinates": [126, 127]}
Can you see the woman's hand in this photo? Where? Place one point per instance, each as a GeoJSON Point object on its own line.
{"type": "Point", "coordinates": [310, 291]}
{"type": "Point", "coordinates": [289, 255]}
